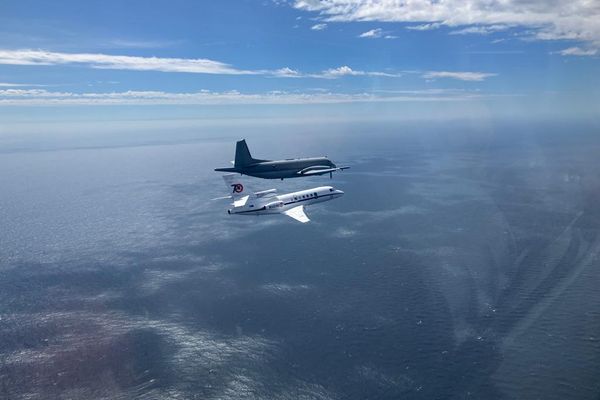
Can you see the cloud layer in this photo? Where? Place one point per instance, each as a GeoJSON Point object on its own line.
{"type": "Point", "coordinates": [41, 97]}
{"type": "Point", "coordinates": [106, 61]}
{"type": "Point", "coordinates": [185, 65]}
{"type": "Point", "coordinates": [578, 51]}
{"type": "Point", "coordinates": [545, 20]}
{"type": "Point", "coordinates": [347, 71]}
{"type": "Point", "coordinates": [462, 76]}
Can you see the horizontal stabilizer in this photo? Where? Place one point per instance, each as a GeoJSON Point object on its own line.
{"type": "Point", "coordinates": [233, 169]}
{"type": "Point", "coordinates": [221, 198]}
{"type": "Point", "coordinates": [241, 202]}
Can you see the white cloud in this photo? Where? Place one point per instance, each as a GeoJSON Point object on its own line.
{"type": "Point", "coordinates": [463, 76]}
{"type": "Point", "coordinates": [341, 71]}
{"type": "Point", "coordinates": [345, 70]}
{"type": "Point", "coordinates": [41, 97]}
{"type": "Point", "coordinates": [424, 27]}
{"type": "Point", "coordinates": [578, 51]}
{"type": "Point", "coordinates": [545, 20]}
{"type": "Point", "coordinates": [142, 44]}
{"type": "Point", "coordinates": [286, 73]}
{"type": "Point", "coordinates": [106, 61]}
{"type": "Point", "coordinates": [372, 34]}
{"type": "Point", "coordinates": [318, 27]}
{"type": "Point", "coordinates": [377, 33]}
{"type": "Point", "coordinates": [480, 30]}
{"type": "Point", "coordinates": [7, 84]}
{"type": "Point", "coordinates": [185, 65]}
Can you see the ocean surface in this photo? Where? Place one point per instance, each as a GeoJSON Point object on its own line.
{"type": "Point", "coordinates": [462, 262]}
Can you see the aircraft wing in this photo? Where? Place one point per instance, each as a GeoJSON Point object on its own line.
{"type": "Point", "coordinates": [315, 171]}
{"type": "Point", "coordinates": [297, 213]}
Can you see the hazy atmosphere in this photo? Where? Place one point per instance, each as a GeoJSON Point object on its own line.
{"type": "Point", "coordinates": [461, 262]}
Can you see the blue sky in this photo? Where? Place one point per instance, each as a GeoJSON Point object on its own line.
{"type": "Point", "coordinates": [534, 57]}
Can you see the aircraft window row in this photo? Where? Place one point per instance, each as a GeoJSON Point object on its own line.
{"type": "Point", "coordinates": [307, 196]}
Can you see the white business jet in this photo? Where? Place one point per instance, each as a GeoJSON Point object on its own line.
{"type": "Point", "coordinates": [246, 202]}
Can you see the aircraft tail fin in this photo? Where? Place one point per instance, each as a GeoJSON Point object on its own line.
{"type": "Point", "coordinates": [242, 155]}
{"type": "Point", "coordinates": [237, 188]}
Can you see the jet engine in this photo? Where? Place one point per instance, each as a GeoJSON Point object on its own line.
{"type": "Point", "coordinates": [265, 193]}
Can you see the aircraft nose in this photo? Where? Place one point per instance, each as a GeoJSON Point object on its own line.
{"type": "Point", "coordinates": [339, 192]}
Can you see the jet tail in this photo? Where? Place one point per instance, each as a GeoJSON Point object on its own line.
{"type": "Point", "coordinates": [238, 190]}
{"type": "Point", "coordinates": [242, 155]}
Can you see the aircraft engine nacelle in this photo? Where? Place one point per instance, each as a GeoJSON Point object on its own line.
{"type": "Point", "coordinates": [274, 205]}
{"type": "Point", "coordinates": [265, 193]}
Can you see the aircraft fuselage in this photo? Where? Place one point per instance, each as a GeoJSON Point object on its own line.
{"type": "Point", "coordinates": [245, 164]}
{"type": "Point", "coordinates": [278, 204]}
{"type": "Point", "coordinates": [283, 169]}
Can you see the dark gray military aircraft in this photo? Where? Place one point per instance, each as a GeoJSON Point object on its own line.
{"type": "Point", "coordinates": [278, 169]}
